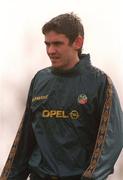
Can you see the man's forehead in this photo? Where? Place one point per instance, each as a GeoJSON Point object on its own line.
{"type": "Point", "coordinates": [55, 36]}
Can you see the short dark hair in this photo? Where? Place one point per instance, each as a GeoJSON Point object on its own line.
{"type": "Point", "coordinates": [68, 24]}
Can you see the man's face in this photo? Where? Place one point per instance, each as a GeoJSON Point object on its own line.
{"type": "Point", "coordinates": [61, 53]}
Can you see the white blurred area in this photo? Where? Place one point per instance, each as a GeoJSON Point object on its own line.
{"type": "Point", "coordinates": [22, 53]}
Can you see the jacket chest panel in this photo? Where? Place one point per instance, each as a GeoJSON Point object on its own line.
{"type": "Point", "coordinates": [65, 94]}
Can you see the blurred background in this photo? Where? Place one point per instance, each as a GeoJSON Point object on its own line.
{"type": "Point", "coordinates": [22, 53]}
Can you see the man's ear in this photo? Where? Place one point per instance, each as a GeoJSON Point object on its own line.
{"type": "Point", "coordinates": [78, 43]}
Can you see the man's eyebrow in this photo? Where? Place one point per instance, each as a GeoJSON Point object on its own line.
{"type": "Point", "coordinates": [53, 42]}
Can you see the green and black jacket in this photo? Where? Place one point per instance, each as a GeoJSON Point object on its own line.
{"type": "Point", "coordinates": [73, 124]}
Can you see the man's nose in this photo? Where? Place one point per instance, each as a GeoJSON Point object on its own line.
{"type": "Point", "coordinates": [51, 49]}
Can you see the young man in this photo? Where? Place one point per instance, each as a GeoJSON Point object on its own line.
{"type": "Point", "coordinates": [72, 126]}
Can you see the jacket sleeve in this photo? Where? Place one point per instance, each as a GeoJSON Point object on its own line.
{"type": "Point", "coordinates": [16, 167]}
{"type": "Point", "coordinates": [109, 140]}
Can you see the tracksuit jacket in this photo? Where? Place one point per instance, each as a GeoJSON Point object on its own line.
{"type": "Point", "coordinates": [72, 125]}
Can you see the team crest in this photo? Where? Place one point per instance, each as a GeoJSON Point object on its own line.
{"type": "Point", "coordinates": [82, 99]}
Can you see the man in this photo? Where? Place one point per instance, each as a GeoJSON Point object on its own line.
{"type": "Point", "coordinates": [72, 126]}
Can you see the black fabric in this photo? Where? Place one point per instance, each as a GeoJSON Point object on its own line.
{"type": "Point", "coordinates": [36, 177]}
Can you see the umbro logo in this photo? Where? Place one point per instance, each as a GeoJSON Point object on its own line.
{"type": "Point", "coordinates": [39, 98]}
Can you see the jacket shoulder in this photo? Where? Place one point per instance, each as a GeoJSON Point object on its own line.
{"type": "Point", "coordinates": [44, 71]}
{"type": "Point", "coordinates": [42, 74]}
{"type": "Point", "coordinates": [99, 75]}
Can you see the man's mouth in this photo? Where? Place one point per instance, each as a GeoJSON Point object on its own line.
{"type": "Point", "coordinates": [53, 58]}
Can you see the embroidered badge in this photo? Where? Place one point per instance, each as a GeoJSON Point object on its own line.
{"type": "Point", "coordinates": [82, 99]}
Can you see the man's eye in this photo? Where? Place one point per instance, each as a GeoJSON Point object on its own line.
{"type": "Point", "coordinates": [58, 43]}
{"type": "Point", "coordinates": [47, 44]}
